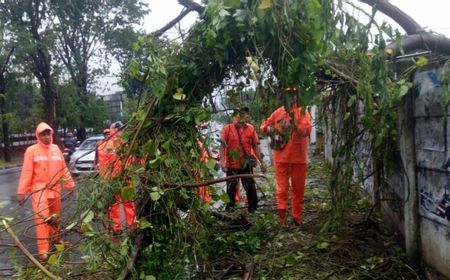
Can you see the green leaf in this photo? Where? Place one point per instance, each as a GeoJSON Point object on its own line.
{"type": "Point", "coordinates": [149, 147]}
{"type": "Point", "coordinates": [211, 163]}
{"type": "Point", "coordinates": [59, 247]}
{"type": "Point", "coordinates": [290, 259]}
{"type": "Point", "coordinates": [166, 145]}
{"type": "Point", "coordinates": [254, 67]}
{"type": "Point", "coordinates": [69, 227]}
{"type": "Point", "coordinates": [144, 223]}
{"type": "Point", "coordinates": [150, 277]}
{"type": "Point", "coordinates": [322, 245]}
{"type": "Point", "coordinates": [155, 196]}
{"type": "Point", "coordinates": [52, 260]}
{"type": "Point", "coordinates": [265, 4]}
{"type": "Point", "coordinates": [6, 218]}
{"type": "Point", "coordinates": [421, 61]}
{"type": "Point", "coordinates": [135, 180]}
{"type": "Point", "coordinates": [403, 90]}
{"type": "Point", "coordinates": [179, 95]}
{"type": "Point", "coordinates": [351, 100]}
{"type": "Point", "coordinates": [249, 60]}
{"type": "Point", "coordinates": [346, 116]}
{"type": "Point", "coordinates": [445, 95]}
{"type": "Point", "coordinates": [378, 140]}
{"type": "Point", "coordinates": [127, 193]}
{"type": "Point", "coordinates": [155, 162]}
{"type": "Point", "coordinates": [235, 4]}
{"type": "Point", "coordinates": [224, 197]}
{"type": "Point", "coordinates": [88, 216]}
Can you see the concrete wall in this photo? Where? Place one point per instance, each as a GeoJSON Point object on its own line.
{"type": "Point", "coordinates": [432, 141]}
{"type": "Point", "coordinates": [416, 201]}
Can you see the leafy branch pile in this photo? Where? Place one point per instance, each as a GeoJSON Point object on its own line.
{"type": "Point", "coordinates": [314, 45]}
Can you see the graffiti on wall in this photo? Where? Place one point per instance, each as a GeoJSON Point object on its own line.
{"type": "Point", "coordinates": [432, 148]}
{"type": "Point", "coordinates": [438, 208]}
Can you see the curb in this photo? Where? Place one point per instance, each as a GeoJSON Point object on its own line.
{"type": "Point", "coordinates": [10, 169]}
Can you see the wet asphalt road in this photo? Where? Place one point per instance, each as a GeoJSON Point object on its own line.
{"type": "Point", "coordinates": [9, 256]}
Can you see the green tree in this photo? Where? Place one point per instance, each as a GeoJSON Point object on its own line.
{"type": "Point", "coordinates": [29, 23]}
{"type": "Point", "coordinates": [6, 52]}
{"type": "Point", "coordinates": [83, 29]}
{"type": "Point", "coordinates": [26, 103]}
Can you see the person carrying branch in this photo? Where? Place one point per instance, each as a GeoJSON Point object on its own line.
{"type": "Point", "coordinates": [290, 130]}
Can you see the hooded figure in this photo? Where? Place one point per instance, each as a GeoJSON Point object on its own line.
{"type": "Point", "coordinates": [43, 172]}
{"type": "Point", "coordinates": [110, 166]}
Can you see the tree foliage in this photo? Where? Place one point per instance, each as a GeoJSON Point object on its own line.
{"type": "Point", "coordinates": [84, 29]}
{"type": "Point", "coordinates": [314, 45]}
{"type": "Point", "coordinates": [305, 44]}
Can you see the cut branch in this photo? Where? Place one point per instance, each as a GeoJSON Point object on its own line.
{"type": "Point", "coordinates": [340, 73]}
{"type": "Point", "coordinates": [27, 253]}
{"type": "Point", "coordinates": [169, 25]}
{"type": "Point", "coordinates": [399, 16]}
{"type": "Point", "coordinates": [133, 257]}
{"type": "Point", "coordinates": [191, 5]}
{"type": "Point", "coordinates": [215, 181]}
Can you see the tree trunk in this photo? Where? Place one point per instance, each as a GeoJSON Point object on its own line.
{"type": "Point", "coordinates": [3, 73]}
{"type": "Point", "coordinates": [399, 16]}
{"type": "Point", "coordinates": [81, 134]}
{"type": "Point", "coordinates": [6, 146]}
{"type": "Point", "coordinates": [49, 95]}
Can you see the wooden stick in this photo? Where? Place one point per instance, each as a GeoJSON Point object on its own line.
{"type": "Point", "coordinates": [215, 181]}
{"type": "Point", "coordinates": [133, 256]}
{"type": "Point", "coordinates": [248, 273]}
{"type": "Point", "coordinates": [27, 253]}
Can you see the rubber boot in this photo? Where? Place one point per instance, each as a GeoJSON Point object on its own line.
{"type": "Point", "coordinates": [282, 217]}
{"type": "Point", "coordinates": [297, 222]}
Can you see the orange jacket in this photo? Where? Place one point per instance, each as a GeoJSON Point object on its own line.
{"type": "Point", "coordinates": [296, 149]}
{"type": "Point", "coordinates": [109, 163]}
{"type": "Point", "coordinates": [44, 169]}
{"type": "Point", "coordinates": [233, 149]}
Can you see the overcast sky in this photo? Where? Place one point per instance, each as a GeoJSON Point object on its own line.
{"type": "Point", "coordinates": [430, 14]}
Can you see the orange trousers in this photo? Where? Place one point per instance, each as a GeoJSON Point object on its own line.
{"type": "Point", "coordinates": [129, 209]}
{"type": "Point", "coordinates": [46, 232]}
{"type": "Point", "coordinates": [204, 194]}
{"type": "Point", "coordinates": [297, 173]}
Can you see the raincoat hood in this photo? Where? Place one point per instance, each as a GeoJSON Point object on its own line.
{"type": "Point", "coordinates": [39, 129]}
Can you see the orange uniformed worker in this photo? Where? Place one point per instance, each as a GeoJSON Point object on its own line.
{"type": "Point", "coordinates": [203, 191]}
{"type": "Point", "coordinates": [238, 139]}
{"type": "Point", "coordinates": [43, 172]}
{"type": "Point", "coordinates": [100, 146]}
{"type": "Point", "coordinates": [290, 157]}
{"type": "Point", "coordinates": [109, 167]}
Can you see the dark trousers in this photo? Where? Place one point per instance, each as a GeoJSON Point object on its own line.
{"type": "Point", "coordinates": [249, 186]}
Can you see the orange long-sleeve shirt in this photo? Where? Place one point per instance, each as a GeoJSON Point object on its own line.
{"type": "Point", "coordinates": [296, 149]}
{"type": "Point", "coordinates": [44, 169]}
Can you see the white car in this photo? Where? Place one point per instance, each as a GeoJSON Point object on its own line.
{"type": "Point", "coordinates": [82, 160]}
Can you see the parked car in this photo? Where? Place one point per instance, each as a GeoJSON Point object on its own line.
{"type": "Point", "coordinates": [82, 160]}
